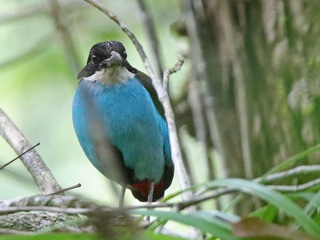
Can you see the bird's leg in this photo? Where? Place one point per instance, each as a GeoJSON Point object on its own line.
{"type": "Point", "coordinates": [121, 200]}
{"type": "Point", "coordinates": [150, 196]}
{"type": "Point", "coordinates": [151, 190]}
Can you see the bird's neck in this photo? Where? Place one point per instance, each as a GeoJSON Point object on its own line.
{"type": "Point", "coordinates": [112, 75]}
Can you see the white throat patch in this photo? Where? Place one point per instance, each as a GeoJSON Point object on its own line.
{"type": "Point", "coordinates": [111, 75]}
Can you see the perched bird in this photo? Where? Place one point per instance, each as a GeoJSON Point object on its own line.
{"type": "Point", "coordinates": [120, 123]}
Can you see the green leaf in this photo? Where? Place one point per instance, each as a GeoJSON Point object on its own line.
{"type": "Point", "coordinates": [266, 213]}
{"type": "Point", "coordinates": [273, 197]}
{"type": "Point", "coordinates": [153, 236]}
{"type": "Point", "coordinates": [312, 206]}
{"type": "Point", "coordinates": [204, 223]}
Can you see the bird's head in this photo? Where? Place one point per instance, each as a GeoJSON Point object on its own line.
{"type": "Point", "coordinates": [106, 62]}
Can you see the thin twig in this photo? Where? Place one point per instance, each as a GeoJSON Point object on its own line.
{"type": "Point", "coordinates": [65, 189]}
{"type": "Point", "coordinates": [296, 188]}
{"type": "Point", "coordinates": [303, 169]}
{"type": "Point", "coordinates": [66, 36]}
{"type": "Point", "coordinates": [8, 163]}
{"type": "Point", "coordinates": [32, 160]}
{"type": "Point", "coordinates": [163, 97]}
{"type": "Point", "coordinates": [151, 32]}
{"type": "Point", "coordinates": [169, 71]}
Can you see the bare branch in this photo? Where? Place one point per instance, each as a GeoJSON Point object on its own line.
{"type": "Point", "coordinates": [151, 31]}
{"type": "Point", "coordinates": [163, 97]}
{"type": "Point", "coordinates": [304, 169]}
{"type": "Point", "coordinates": [71, 205]}
{"type": "Point", "coordinates": [32, 160]}
{"type": "Point", "coordinates": [296, 188]}
{"type": "Point", "coordinates": [8, 163]}
{"type": "Point", "coordinates": [169, 71]}
{"type": "Point", "coordinates": [65, 35]}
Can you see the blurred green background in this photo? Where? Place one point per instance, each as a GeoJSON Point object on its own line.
{"type": "Point", "coordinates": [37, 83]}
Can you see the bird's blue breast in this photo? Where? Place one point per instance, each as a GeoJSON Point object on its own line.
{"type": "Point", "coordinates": [127, 117]}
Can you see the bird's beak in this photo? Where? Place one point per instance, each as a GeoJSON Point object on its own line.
{"type": "Point", "coordinates": [113, 60]}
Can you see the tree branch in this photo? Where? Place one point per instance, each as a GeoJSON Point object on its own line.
{"type": "Point", "coordinates": [32, 160]}
{"type": "Point", "coordinates": [151, 32]}
{"type": "Point", "coordinates": [71, 205]}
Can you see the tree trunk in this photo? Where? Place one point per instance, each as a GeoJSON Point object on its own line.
{"type": "Point", "coordinates": [257, 64]}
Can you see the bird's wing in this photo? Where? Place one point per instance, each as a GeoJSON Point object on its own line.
{"type": "Point", "coordinates": [147, 84]}
{"type": "Point", "coordinates": [169, 167]}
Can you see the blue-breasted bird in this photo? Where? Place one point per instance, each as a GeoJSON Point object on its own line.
{"type": "Point", "coordinates": [120, 123]}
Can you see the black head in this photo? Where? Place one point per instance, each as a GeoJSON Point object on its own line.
{"type": "Point", "coordinates": [104, 55]}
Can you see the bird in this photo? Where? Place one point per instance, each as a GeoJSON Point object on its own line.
{"type": "Point", "coordinates": [120, 124]}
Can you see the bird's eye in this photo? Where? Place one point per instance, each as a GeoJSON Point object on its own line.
{"type": "Point", "coordinates": [124, 55]}
{"type": "Point", "coordinates": [94, 59]}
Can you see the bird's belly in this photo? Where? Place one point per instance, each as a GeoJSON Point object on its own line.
{"type": "Point", "coordinates": [132, 127]}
